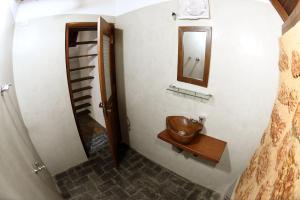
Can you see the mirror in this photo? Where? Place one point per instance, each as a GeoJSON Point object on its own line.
{"type": "Point", "coordinates": [194, 51]}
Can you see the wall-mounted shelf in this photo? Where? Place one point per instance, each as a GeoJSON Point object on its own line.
{"type": "Point", "coordinates": [84, 112]}
{"type": "Point", "coordinates": [81, 68]}
{"type": "Point", "coordinates": [82, 79]}
{"type": "Point", "coordinates": [190, 93]}
{"type": "Point", "coordinates": [81, 56]}
{"type": "Point", "coordinates": [82, 89]}
{"type": "Point", "coordinates": [86, 42]}
{"type": "Point", "coordinates": [82, 106]}
{"type": "Point", "coordinates": [203, 146]}
{"type": "Point", "coordinates": [85, 97]}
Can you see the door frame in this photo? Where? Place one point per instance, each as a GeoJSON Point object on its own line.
{"type": "Point", "coordinates": [77, 26]}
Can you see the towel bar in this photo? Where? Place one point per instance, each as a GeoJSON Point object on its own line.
{"type": "Point", "coordinates": [191, 93]}
{"type": "Point", "coordinates": [4, 88]}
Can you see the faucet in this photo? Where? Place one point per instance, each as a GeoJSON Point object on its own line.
{"type": "Point", "coordinates": [200, 120]}
{"type": "Point", "coordinates": [193, 120]}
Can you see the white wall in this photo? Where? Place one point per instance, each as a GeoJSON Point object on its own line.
{"type": "Point", "coordinates": [243, 79]}
{"type": "Point", "coordinates": [42, 89]}
{"type": "Point", "coordinates": [16, 150]}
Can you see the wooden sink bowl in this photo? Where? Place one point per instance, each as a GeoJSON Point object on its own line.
{"type": "Point", "coordinates": [182, 129]}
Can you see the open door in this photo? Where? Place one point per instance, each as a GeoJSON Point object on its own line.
{"type": "Point", "coordinates": [107, 78]}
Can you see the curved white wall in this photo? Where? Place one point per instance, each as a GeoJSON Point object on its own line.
{"type": "Point", "coordinates": [17, 153]}
{"type": "Point", "coordinates": [243, 79]}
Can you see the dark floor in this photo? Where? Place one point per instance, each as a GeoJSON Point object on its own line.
{"type": "Point", "coordinates": [91, 132]}
{"type": "Point", "coordinates": [136, 179]}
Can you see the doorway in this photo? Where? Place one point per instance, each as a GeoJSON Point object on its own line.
{"type": "Point", "coordinates": [91, 80]}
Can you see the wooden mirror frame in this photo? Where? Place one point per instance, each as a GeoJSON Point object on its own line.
{"type": "Point", "coordinates": [180, 77]}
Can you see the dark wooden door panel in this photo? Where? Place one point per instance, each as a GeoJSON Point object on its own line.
{"type": "Point", "coordinates": [107, 77]}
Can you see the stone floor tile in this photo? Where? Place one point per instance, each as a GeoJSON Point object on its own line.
{"type": "Point", "coordinates": [137, 178]}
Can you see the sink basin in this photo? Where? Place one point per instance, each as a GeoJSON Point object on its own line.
{"type": "Point", "coordinates": [182, 129]}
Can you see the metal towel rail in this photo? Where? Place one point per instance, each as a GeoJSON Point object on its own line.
{"type": "Point", "coordinates": [190, 93]}
{"type": "Point", "coordinates": [4, 88]}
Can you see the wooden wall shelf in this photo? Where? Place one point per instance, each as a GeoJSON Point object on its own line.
{"type": "Point", "coordinates": [81, 68]}
{"type": "Point", "coordinates": [82, 79]}
{"type": "Point", "coordinates": [81, 56]}
{"type": "Point", "coordinates": [82, 89]}
{"type": "Point", "coordinates": [85, 97]}
{"type": "Point", "coordinates": [81, 106]}
{"type": "Point", "coordinates": [203, 146]}
{"type": "Point", "coordinates": [84, 112]}
{"type": "Point", "coordinates": [86, 42]}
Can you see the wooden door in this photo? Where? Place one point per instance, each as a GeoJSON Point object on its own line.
{"type": "Point", "coordinates": [107, 77]}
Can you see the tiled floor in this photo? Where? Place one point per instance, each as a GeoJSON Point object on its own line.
{"type": "Point", "coordinates": [136, 179]}
{"type": "Point", "coordinates": [90, 129]}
